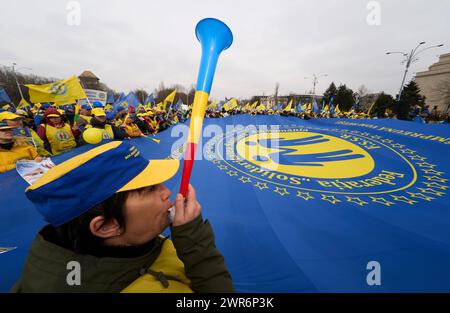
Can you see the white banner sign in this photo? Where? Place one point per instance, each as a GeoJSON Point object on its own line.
{"type": "Point", "coordinates": [94, 95]}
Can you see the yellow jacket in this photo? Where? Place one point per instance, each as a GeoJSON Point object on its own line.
{"type": "Point", "coordinates": [20, 150]}
{"type": "Point", "coordinates": [133, 130]}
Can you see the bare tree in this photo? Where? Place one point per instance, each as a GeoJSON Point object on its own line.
{"type": "Point", "coordinates": [362, 91]}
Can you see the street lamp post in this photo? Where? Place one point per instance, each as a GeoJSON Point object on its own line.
{"type": "Point", "coordinates": [410, 58]}
{"type": "Point", "coordinates": [315, 80]}
{"type": "Point", "coordinates": [17, 81]}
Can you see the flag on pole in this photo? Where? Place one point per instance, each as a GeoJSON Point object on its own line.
{"type": "Point", "coordinates": [23, 104]}
{"type": "Point", "coordinates": [4, 96]}
{"type": "Point", "coordinates": [110, 98]}
{"type": "Point", "coordinates": [169, 99]}
{"type": "Point", "coordinates": [315, 106]}
{"type": "Point", "coordinates": [230, 105]}
{"type": "Point", "coordinates": [289, 106]}
{"type": "Point", "coordinates": [61, 92]}
{"type": "Point", "coordinates": [131, 100]}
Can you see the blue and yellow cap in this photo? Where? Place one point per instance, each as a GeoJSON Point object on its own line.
{"type": "Point", "coordinates": [75, 186]}
{"type": "Point", "coordinates": [4, 125]}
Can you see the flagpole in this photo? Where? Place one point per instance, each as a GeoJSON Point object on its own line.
{"type": "Point", "coordinates": [17, 81]}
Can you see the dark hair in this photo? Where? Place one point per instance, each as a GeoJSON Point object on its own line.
{"type": "Point", "coordinates": [76, 235]}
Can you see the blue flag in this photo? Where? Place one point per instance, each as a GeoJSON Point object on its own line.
{"type": "Point", "coordinates": [118, 101]}
{"type": "Point", "coordinates": [315, 107]}
{"type": "Point", "coordinates": [150, 99]}
{"type": "Point", "coordinates": [110, 98]}
{"type": "Point", "coordinates": [4, 96]}
{"type": "Point", "coordinates": [300, 205]}
{"type": "Point", "coordinates": [332, 109]}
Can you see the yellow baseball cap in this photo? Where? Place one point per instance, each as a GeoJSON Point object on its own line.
{"type": "Point", "coordinates": [98, 112]}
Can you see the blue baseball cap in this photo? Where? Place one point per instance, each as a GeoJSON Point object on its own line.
{"type": "Point", "coordinates": [110, 116]}
{"type": "Point", "coordinates": [97, 104]}
{"type": "Point", "coordinates": [86, 107]}
{"type": "Point", "coordinates": [75, 186]}
{"type": "Point", "coordinates": [120, 108]}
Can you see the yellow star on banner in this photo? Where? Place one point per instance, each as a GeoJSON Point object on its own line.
{"type": "Point", "coordinates": [436, 179]}
{"type": "Point", "coordinates": [215, 161]}
{"type": "Point", "coordinates": [222, 167]}
{"type": "Point", "coordinates": [435, 185]}
{"type": "Point", "coordinates": [420, 196]}
{"type": "Point", "coordinates": [431, 171]}
{"type": "Point", "coordinates": [232, 173]}
{"type": "Point", "coordinates": [376, 137]}
{"type": "Point", "coordinates": [408, 151]}
{"type": "Point", "coordinates": [281, 191]}
{"type": "Point", "coordinates": [305, 195]}
{"type": "Point", "coordinates": [431, 191]}
{"type": "Point", "coordinates": [356, 200]}
{"type": "Point", "coordinates": [403, 199]}
{"type": "Point", "coordinates": [387, 140]}
{"type": "Point", "coordinates": [417, 158]}
{"type": "Point", "coordinates": [330, 199]}
{"type": "Point", "coordinates": [425, 164]}
{"type": "Point", "coordinates": [261, 186]}
{"type": "Point", "coordinates": [382, 201]}
{"type": "Point", "coordinates": [365, 134]}
{"type": "Point", "coordinates": [245, 179]}
{"type": "Point", "coordinates": [397, 145]}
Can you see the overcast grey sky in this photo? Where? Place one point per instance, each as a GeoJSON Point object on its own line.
{"type": "Point", "coordinates": [138, 44]}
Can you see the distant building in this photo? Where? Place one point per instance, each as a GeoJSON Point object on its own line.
{"type": "Point", "coordinates": [270, 101]}
{"type": "Point", "coordinates": [435, 84]}
{"type": "Point", "coordinates": [90, 81]}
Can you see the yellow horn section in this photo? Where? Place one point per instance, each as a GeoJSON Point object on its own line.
{"type": "Point", "coordinates": [198, 113]}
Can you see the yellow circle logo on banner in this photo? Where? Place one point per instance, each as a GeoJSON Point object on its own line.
{"type": "Point", "coordinates": [306, 154]}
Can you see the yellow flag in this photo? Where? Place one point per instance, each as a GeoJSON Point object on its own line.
{"type": "Point", "coordinates": [230, 105]}
{"type": "Point", "coordinates": [23, 104]}
{"type": "Point", "coordinates": [212, 105]}
{"type": "Point", "coordinates": [309, 109]}
{"type": "Point", "coordinates": [61, 92]}
{"type": "Point", "coordinates": [326, 109]}
{"type": "Point", "coordinates": [370, 109]}
{"type": "Point", "coordinates": [337, 110]}
{"type": "Point", "coordinates": [261, 107]}
{"type": "Point", "coordinates": [246, 107]}
{"type": "Point", "coordinates": [171, 97]}
{"type": "Point", "coordinates": [289, 106]}
{"type": "Point", "coordinates": [254, 105]}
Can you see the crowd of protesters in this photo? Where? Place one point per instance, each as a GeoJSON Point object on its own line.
{"type": "Point", "coordinates": [45, 130]}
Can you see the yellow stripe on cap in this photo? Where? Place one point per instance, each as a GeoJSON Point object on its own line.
{"type": "Point", "coordinates": [71, 164]}
{"type": "Point", "coordinates": [197, 116]}
{"type": "Point", "coordinates": [156, 172]}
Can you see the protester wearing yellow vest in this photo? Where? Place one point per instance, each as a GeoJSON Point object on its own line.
{"type": "Point", "coordinates": [106, 209]}
{"type": "Point", "coordinates": [59, 136]}
{"type": "Point", "coordinates": [27, 133]}
{"type": "Point", "coordinates": [12, 149]}
{"type": "Point", "coordinates": [98, 120]}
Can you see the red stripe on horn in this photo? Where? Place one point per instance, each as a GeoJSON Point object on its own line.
{"type": "Point", "coordinates": [187, 167]}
